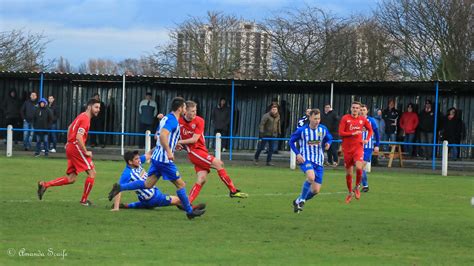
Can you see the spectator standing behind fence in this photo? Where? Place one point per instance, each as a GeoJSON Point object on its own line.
{"type": "Point", "coordinates": [390, 116]}
{"type": "Point", "coordinates": [426, 127]}
{"type": "Point", "coordinates": [53, 136]}
{"type": "Point", "coordinates": [28, 110]}
{"type": "Point", "coordinates": [269, 108]}
{"type": "Point", "coordinates": [221, 119]}
{"type": "Point", "coordinates": [269, 128]}
{"type": "Point", "coordinates": [453, 130]}
{"type": "Point", "coordinates": [11, 106]}
{"type": "Point", "coordinates": [42, 121]}
{"type": "Point", "coordinates": [409, 122]}
{"type": "Point", "coordinates": [330, 119]}
{"type": "Point", "coordinates": [147, 111]}
{"type": "Point", "coordinates": [98, 124]}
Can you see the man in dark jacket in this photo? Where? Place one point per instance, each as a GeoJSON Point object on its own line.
{"type": "Point", "coordinates": [221, 119]}
{"type": "Point", "coordinates": [390, 116]}
{"type": "Point", "coordinates": [330, 119]}
{"type": "Point", "coordinates": [42, 120]}
{"type": "Point", "coordinates": [147, 111]}
{"type": "Point", "coordinates": [27, 112]}
{"type": "Point", "coordinates": [98, 124]}
{"type": "Point", "coordinates": [53, 136]}
{"type": "Point", "coordinates": [11, 106]}
{"type": "Point", "coordinates": [453, 130]}
{"type": "Point", "coordinates": [426, 127]}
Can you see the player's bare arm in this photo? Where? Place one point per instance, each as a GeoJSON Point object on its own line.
{"type": "Point", "coordinates": [81, 143]}
{"type": "Point", "coordinates": [192, 140]}
{"type": "Point", "coordinates": [164, 133]}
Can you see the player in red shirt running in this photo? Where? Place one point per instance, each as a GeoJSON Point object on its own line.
{"type": "Point", "coordinates": [79, 159]}
{"type": "Point", "coordinates": [350, 130]}
{"type": "Point", "coordinates": [192, 139]}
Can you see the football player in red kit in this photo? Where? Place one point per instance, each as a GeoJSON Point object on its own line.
{"type": "Point", "coordinates": [192, 139]}
{"type": "Point", "coordinates": [350, 130]}
{"type": "Point", "coordinates": [79, 159]}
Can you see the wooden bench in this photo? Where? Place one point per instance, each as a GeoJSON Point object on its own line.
{"type": "Point", "coordinates": [394, 153]}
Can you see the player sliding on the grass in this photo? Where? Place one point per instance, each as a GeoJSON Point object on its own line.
{"type": "Point", "coordinates": [192, 139]}
{"type": "Point", "coordinates": [147, 198]}
{"type": "Point", "coordinates": [312, 139]}
{"type": "Point", "coordinates": [162, 160]}
{"type": "Point", "coordinates": [370, 146]}
{"type": "Point", "coordinates": [350, 130]}
{"type": "Point", "coordinates": [79, 159]}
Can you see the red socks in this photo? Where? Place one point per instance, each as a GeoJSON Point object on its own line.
{"type": "Point", "coordinates": [358, 177]}
{"type": "Point", "coordinates": [226, 179]}
{"type": "Point", "coordinates": [194, 192]}
{"type": "Point", "coordinates": [87, 188]}
{"type": "Point", "coordinates": [349, 182]}
{"type": "Point", "coordinates": [60, 181]}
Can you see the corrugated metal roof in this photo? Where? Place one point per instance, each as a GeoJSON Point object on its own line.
{"type": "Point", "coordinates": [92, 76]}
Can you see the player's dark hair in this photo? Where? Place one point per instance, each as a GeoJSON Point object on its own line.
{"type": "Point", "coordinates": [92, 102]}
{"type": "Point", "coordinates": [315, 111]}
{"type": "Point", "coordinates": [190, 104]}
{"type": "Point", "coordinates": [129, 155]}
{"type": "Point", "coordinates": [177, 103]}
{"type": "Point", "coordinates": [363, 105]}
{"type": "Point", "coordinates": [356, 102]}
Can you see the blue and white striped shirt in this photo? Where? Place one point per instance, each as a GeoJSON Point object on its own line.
{"type": "Point", "coordinates": [311, 143]}
{"type": "Point", "coordinates": [375, 136]}
{"type": "Point", "coordinates": [133, 174]}
{"type": "Point", "coordinates": [170, 123]}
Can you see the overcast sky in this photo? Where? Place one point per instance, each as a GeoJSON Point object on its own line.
{"type": "Point", "coordinates": [119, 29]}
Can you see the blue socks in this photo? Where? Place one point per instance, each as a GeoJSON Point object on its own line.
{"type": "Point", "coordinates": [136, 205]}
{"type": "Point", "coordinates": [184, 200]}
{"type": "Point", "coordinates": [304, 191]}
{"type": "Point", "coordinates": [365, 182]}
{"type": "Point", "coordinates": [139, 184]}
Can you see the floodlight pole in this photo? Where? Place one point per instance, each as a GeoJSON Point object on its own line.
{"type": "Point", "coordinates": [433, 159]}
{"type": "Point", "coordinates": [41, 84]}
{"type": "Point", "coordinates": [231, 121]}
{"type": "Point", "coordinates": [122, 152]}
{"type": "Point", "coordinates": [332, 94]}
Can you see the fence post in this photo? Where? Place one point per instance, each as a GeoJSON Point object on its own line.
{"type": "Point", "coordinates": [444, 168]}
{"type": "Point", "coordinates": [147, 141]}
{"type": "Point", "coordinates": [292, 160]}
{"type": "Point", "coordinates": [9, 141]}
{"type": "Point", "coordinates": [218, 145]}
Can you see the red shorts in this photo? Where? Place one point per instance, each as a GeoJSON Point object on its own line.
{"type": "Point", "coordinates": [353, 156]}
{"type": "Point", "coordinates": [77, 161]}
{"type": "Point", "coordinates": [202, 160]}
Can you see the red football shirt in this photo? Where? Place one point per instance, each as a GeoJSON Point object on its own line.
{"type": "Point", "coordinates": [189, 128]}
{"type": "Point", "coordinates": [80, 125]}
{"type": "Point", "coordinates": [348, 126]}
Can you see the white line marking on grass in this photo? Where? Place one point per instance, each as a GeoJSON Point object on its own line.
{"type": "Point", "coordinates": [211, 196]}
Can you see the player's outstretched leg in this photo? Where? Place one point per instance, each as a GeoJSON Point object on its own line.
{"type": "Point", "coordinates": [358, 181]}
{"type": "Point", "coordinates": [225, 178]}
{"type": "Point", "coordinates": [60, 181]}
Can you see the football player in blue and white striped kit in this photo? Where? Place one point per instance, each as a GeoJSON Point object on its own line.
{"type": "Point", "coordinates": [148, 197]}
{"type": "Point", "coordinates": [313, 140]}
{"type": "Point", "coordinates": [162, 160]}
{"type": "Point", "coordinates": [370, 146]}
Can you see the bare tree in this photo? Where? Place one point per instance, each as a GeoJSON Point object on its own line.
{"type": "Point", "coordinates": [21, 51]}
{"type": "Point", "coordinates": [102, 66]}
{"type": "Point", "coordinates": [63, 65]}
{"type": "Point", "coordinates": [434, 38]}
{"type": "Point", "coordinates": [301, 40]}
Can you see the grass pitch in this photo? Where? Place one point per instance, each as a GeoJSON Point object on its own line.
{"type": "Point", "coordinates": [405, 219]}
